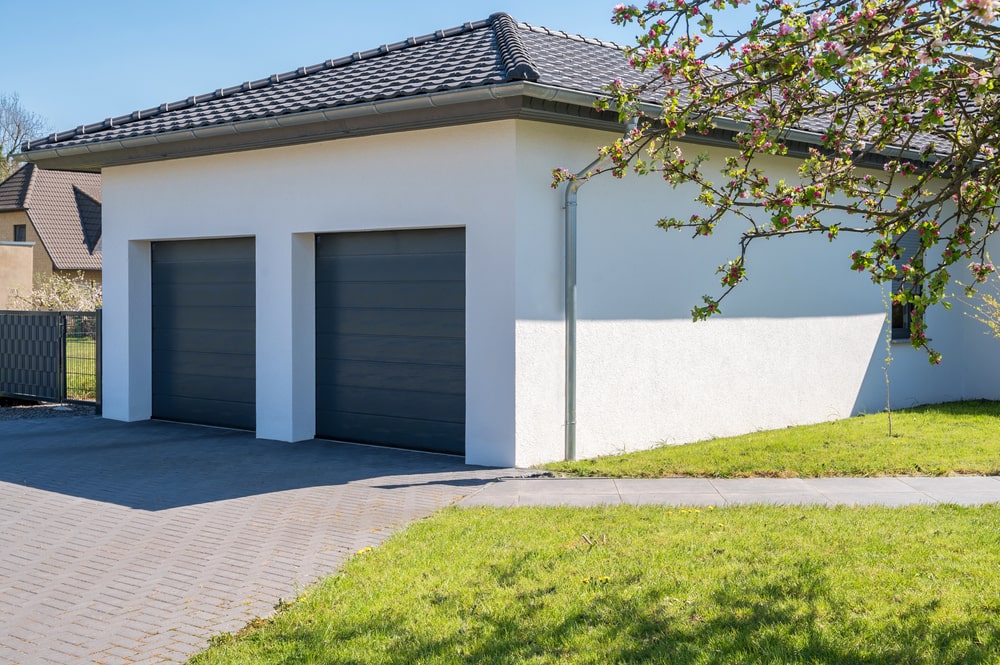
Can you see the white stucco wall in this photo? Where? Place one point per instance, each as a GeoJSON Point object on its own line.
{"type": "Point", "coordinates": [971, 340]}
{"type": "Point", "coordinates": [802, 341]}
{"type": "Point", "coordinates": [461, 176]}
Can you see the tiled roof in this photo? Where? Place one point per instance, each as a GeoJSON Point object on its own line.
{"type": "Point", "coordinates": [491, 52]}
{"type": "Point", "coordinates": [65, 209]}
{"type": "Point", "coordinates": [576, 63]}
{"type": "Point", "coordinates": [14, 189]}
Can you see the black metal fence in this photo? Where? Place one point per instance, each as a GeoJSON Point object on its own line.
{"type": "Point", "coordinates": [51, 356]}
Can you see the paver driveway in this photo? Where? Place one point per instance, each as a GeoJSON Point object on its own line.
{"type": "Point", "coordinates": [134, 543]}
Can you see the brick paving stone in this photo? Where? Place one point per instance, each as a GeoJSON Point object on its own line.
{"type": "Point", "coordinates": [134, 543]}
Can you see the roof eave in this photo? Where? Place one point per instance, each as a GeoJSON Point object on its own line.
{"type": "Point", "coordinates": [809, 138]}
{"type": "Point", "coordinates": [461, 106]}
{"type": "Point", "coordinates": [384, 116]}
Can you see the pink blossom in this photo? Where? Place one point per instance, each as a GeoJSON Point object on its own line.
{"type": "Point", "coordinates": [817, 21]}
{"type": "Point", "coordinates": [984, 9]}
{"type": "Point", "coordinates": [835, 47]}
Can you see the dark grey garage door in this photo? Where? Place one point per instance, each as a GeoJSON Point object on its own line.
{"type": "Point", "coordinates": [390, 338]}
{"type": "Point", "coordinates": [204, 332]}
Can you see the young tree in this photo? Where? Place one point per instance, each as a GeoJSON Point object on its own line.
{"type": "Point", "coordinates": [17, 125]}
{"type": "Point", "coordinates": [891, 105]}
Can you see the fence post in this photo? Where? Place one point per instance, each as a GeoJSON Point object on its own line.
{"type": "Point", "coordinates": [98, 363]}
{"type": "Point", "coordinates": [62, 356]}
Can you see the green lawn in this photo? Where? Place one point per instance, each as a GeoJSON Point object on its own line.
{"type": "Point", "coordinates": [941, 439]}
{"type": "Point", "coordinates": [865, 586]}
{"type": "Point", "coordinates": [80, 363]}
{"type": "Point", "coordinates": [746, 584]}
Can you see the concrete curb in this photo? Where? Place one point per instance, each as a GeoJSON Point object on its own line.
{"type": "Point", "coordinates": [888, 491]}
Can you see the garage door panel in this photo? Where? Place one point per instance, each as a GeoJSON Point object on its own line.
{"type": "Point", "coordinates": [403, 432]}
{"type": "Point", "coordinates": [396, 403]}
{"type": "Point", "coordinates": [203, 412]}
{"type": "Point", "coordinates": [399, 376]}
{"type": "Point", "coordinates": [205, 341]}
{"type": "Point", "coordinates": [204, 332]}
{"type": "Point", "coordinates": [207, 386]}
{"type": "Point", "coordinates": [400, 322]}
{"type": "Point", "coordinates": [427, 350]}
{"type": "Point", "coordinates": [222, 365]}
{"type": "Point", "coordinates": [204, 318]}
{"type": "Point", "coordinates": [221, 271]}
{"type": "Point", "coordinates": [394, 295]}
{"type": "Point", "coordinates": [390, 338]}
{"type": "Point", "coordinates": [389, 268]}
{"type": "Point", "coordinates": [207, 295]}
{"type": "Point", "coordinates": [417, 241]}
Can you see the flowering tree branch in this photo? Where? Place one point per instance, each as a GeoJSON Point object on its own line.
{"type": "Point", "coordinates": [891, 106]}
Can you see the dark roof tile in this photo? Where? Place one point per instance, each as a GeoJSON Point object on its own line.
{"type": "Point", "coordinates": [490, 52]}
{"type": "Point", "coordinates": [14, 189]}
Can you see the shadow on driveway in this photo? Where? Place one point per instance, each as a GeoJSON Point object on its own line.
{"type": "Point", "coordinates": [154, 465]}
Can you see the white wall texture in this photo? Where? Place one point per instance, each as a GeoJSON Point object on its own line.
{"type": "Point", "coordinates": [801, 342]}
{"type": "Point", "coordinates": [461, 176]}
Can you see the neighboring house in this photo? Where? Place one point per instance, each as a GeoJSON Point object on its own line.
{"type": "Point", "coordinates": [60, 213]}
{"type": "Point", "coordinates": [369, 250]}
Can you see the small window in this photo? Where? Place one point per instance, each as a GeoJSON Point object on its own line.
{"type": "Point", "coordinates": [908, 244]}
{"type": "Point", "coordinates": [20, 233]}
{"type": "Point", "coordinates": [901, 314]}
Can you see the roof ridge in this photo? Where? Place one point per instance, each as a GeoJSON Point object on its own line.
{"type": "Point", "coordinates": [272, 80]}
{"type": "Point", "coordinates": [517, 64]}
{"type": "Point", "coordinates": [569, 35]}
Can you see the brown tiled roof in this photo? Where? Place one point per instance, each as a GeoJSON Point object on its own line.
{"type": "Point", "coordinates": [65, 209]}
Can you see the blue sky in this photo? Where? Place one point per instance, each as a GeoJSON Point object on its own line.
{"type": "Point", "coordinates": [76, 63]}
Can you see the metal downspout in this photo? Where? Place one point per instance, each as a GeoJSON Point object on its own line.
{"type": "Point", "coordinates": [570, 248]}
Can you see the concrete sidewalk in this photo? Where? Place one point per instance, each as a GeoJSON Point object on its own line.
{"type": "Point", "coordinates": [899, 491]}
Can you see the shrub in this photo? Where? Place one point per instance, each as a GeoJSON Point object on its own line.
{"type": "Point", "coordinates": [60, 293]}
